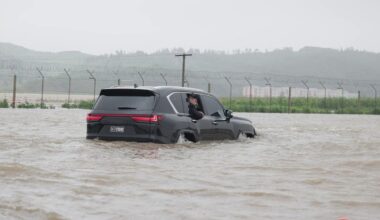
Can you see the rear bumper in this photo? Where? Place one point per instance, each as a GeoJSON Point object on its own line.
{"type": "Point", "coordinates": [147, 134]}
{"type": "Point", "coordinates": [134, 138]}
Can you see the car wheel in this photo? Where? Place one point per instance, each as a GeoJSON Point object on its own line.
{"type": "Point", "coordinates": [186, 137]}
{"type": "Point", "coordinates": [181, 139]}
{"type": "Point", "coordinates": [242, 136]}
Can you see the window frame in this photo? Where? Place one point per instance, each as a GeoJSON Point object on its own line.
{"type": "Point", "coordinates": [201, 102]}
{"type": "Point", "coordinates": [172, 104]}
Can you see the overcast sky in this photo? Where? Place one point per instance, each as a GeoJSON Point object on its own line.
{"type": "Point", "coordinates": [103, 26]}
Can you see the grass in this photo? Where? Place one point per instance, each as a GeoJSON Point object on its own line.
{"type": "Point", "coordinates": [33, 105]}
{"type": "Point", "coordinates": [5, 104]}
{"type": "Point", "coordinates": [83, 104]}
{"type": "Point", "coordinates": [301, 105]}
{"type": "Point", "coordinates": [278, 105]}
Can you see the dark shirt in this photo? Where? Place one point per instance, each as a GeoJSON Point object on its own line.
{"type": "Point", "coordinates": [195, 112]}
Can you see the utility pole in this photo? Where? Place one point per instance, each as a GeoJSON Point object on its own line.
{"type": "Point", "coordinates": [375, 90]}
{"type": "Point", "coordinates": [270, 92]}
{"type": "Point", "coordinates": [69, 92]}
{"type": "Point", "coordinates": [304, 82]}
{"type": "Point", "coordinates": [229, 82]}
{"type": "Point", "coordinates": [250, 93]}
{"type": "Point", "coordinates": [324, 87]}
{"type": "Point", "coordinates": [163, 77]}
{"type": "Point", "coordinates": [14, 91]}
{"type": "Point", "coordinates": [42, 86]}
{"type": "Point", "coordinates": [184, 55]}
{"type": "Point", "coordinates": [142, 78]}
{"type": "Point", "coordinates": [93, 78]}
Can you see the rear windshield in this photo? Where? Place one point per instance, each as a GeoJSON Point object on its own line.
{"type": "Point", "coordinates": [125, 99]}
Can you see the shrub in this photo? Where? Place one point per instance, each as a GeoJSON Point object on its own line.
{"type": "Point", "coordinates": [4, 104]}
{"type": "Point", "coordinates": [31, 105]}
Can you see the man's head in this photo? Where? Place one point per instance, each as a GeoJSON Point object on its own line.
{"type": "Point", "coordinates": [193, 99]}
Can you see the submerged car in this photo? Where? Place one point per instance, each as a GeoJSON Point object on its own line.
{"type": "Point", "coordinates": [161, 114]}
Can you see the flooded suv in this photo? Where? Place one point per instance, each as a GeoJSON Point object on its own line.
{"type": "Point", "coordinates": [161, 114]}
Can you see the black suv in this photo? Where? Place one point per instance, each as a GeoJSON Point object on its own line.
{"type": "Point", "coordinates": [161, 114]}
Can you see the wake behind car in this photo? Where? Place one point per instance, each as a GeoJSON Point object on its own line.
{"type": "Point", "coordinates": [161, 114]}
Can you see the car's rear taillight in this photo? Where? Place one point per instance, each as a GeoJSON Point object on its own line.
{"type": "Point", "coordinates": [91, 117]}
{"type": "Point", "coordinates": [147, 118]}
{"type": "Point", "coordinates": [134, 117]}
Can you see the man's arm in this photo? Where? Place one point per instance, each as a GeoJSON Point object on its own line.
{"type": "Point", "coordinates": [194, 113]}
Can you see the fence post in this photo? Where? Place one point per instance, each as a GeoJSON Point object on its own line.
{"type": "Point", "coordinates": [69, 91]}
{"type": "Point", "coordinates": [163, 77]}
{"type": "Point", "coordinates": [229, 82]}
{"type": "Point", "coordinates": [187, 83]}
{"type": "Point", "coordinates": [304, 82]}
{"type": "Point", "coordinates": [340, 86]}
{"type": "Point", "coordinates": [42, 86]}
{"type": "Point", "coordinates": [142, 78]}
{"type": "Point", "coordinates": [14, 91]}
{"type": "Point", "coordinates": [289, 99]}
{"type": "Point", "coordinates": [93, 78]}
{"type": "Point", "coordinates": [270, 92]}
{"type": "Point", "coordinates": [356, 85]}
{"type": "Point", "coordinates": [324, 87]}
{"type": "Point", "coordinates": [116, 73]}
{"type": "Point", "coordinates": [375, 90]}
{"type": "Point", "coordinates": [250, 93]}
{"type": "Point", "coordinates": [208, 85]}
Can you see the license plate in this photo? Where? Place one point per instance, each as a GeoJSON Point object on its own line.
{"type": "Point", "coordinates": [117, 129]}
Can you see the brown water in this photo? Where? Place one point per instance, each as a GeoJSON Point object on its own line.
{"type": "Point", "coordinates": [299, 167]}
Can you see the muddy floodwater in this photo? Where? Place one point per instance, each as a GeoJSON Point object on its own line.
{"type": "Point", "coordinates": [299, 167]}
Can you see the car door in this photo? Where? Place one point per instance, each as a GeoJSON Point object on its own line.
{"type": "Point", "coordinates": [204, 126]}
{"type": "Point", "coordinates": [215, 111]}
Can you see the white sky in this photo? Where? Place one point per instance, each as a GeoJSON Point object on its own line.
{"type": "Point", "coordinates": [103, 26]}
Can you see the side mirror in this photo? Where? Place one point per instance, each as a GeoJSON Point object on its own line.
{"type": "Point", "coordinates": [228, 113]}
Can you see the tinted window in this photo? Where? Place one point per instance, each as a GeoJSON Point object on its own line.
{"type": "Point", "coordinates": [176, 100]}
{"type": "Point", "coordinates": [118, 99]}
{"type": "Point", "coordinates": [212, 106]}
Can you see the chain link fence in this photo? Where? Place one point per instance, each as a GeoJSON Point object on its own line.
{"type": "Point", "coordinates": [54, 86]}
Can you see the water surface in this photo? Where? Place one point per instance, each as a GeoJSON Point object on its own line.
{"type": "Point", "coordinates": [299, 167]}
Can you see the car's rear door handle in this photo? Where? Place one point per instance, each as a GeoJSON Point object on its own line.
{"type": "Point", "coordinates": [193, 120]}
{"type": "Point", "coordinates": [214, 123]}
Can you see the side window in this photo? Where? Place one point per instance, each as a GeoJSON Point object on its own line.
{"type": "Point", "coordinates": [185, 98]}
{"type": "Point", "coordinates": [212, 106]}
{"type": "Point", "coordinates": [176, 100]}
